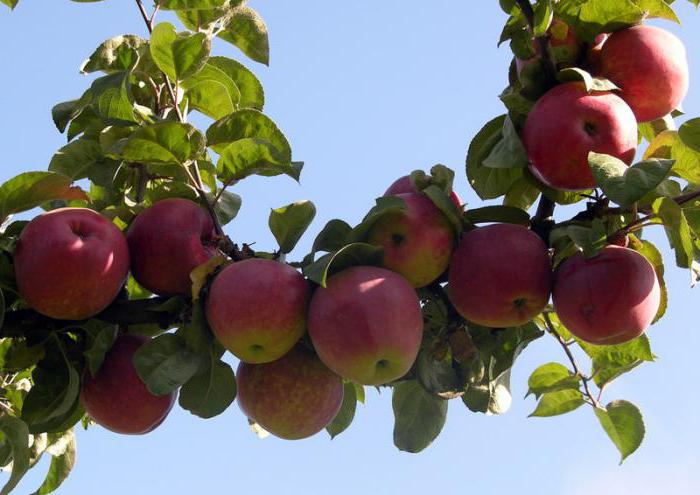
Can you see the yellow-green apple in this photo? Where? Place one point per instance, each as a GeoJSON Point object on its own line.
{"type": "Point", "coordinates": [609, 299]}
{"type": "Point", "coordinates": [500, 276]}
{"type": "Point", "coordinates": [294, 397]}
{"type": "Point", "coordinates": [403, 185]}
{"type": "Point", "coordinates": [565, 47]}
{"type": "Point", "coordinates": [257, 309]}
{"type": "Point", "coordinates": [650, 65]}
{"type": "Point", "coordinates": [167, 241]}
{"type": "Point", "coordinates": [366, 324]}
{"type": "Point", "coordinates": [117, 399]}
{"type": "Point", "coordinates": [70, 263]}
{"type": "Point", "coordinates": [417, 240]}
{"type": "Point", "coordinates": [566, 124]}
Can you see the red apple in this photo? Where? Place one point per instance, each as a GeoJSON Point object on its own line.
{"type": "Point", "coordinates": [565, 47]}
{"type": "Point", "coordinates": [650, 65]}
{"type": "Point", "coordinates": [593, 62]}
{"type": "Point", "coordinates": [609, 299]}
{"type": "Point", "coordinates": [403, 185]}
{"type": "Point", "coordinates": [500, 276]}
{"type": "Point", "coordinates": [167, 241]}
{"type": "Point", "coordinates": [417, 241]}
{"type": "Point", "coordinates": [117, 399]}
{"type": "Point", "coordinates": [566, 124]}
{"type": "Point", "coordinates": [294, 397]}
{"type": "Point", "coordinates": [257, 309]}
{"type": "Point", "coordinates": [70, 263]}
{"type": "Point", "coordinates": [366, 325]}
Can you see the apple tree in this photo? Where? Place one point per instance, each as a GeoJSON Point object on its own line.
{"type": "Point", "coordinates": [125, 294]}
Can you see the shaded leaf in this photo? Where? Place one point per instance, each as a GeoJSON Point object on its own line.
{"type": "Point", "coordinates": [418, 416]}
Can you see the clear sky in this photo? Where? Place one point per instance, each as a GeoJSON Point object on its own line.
{"type": "Point", "coordinates": [366, 91]}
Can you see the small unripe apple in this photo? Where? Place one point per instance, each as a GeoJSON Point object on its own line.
{"type": "Point", "coordinates": [70, 263]}
{"type": "Point", "coordinates": [566, 124]}
{"type": "Point", "coordinates": [403, 185]}
{"type": "Point", "coordinates": [500, 276]}
{"type": "Point", "coordinates": [366, 325]}
{"type": "Point", "coordinates": [609, 299]}
{"type": "Point", "coordinates": [650, 66]}
{"type": "Point", "coordinates": [117, 399]}
{"type": "Point", "coordinates": [294, 397]}
{"type": "Point", "coordinates": [167, 241]}
{"type": "Point", "coordinates": [257, 309]}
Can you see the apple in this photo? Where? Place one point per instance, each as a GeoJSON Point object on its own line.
{"type": "Point", "coordinates": [566, 124]}
{"type": "Point", "coordinates": [294, 397]}
{"type": "Point", "coordinates": [167, 241]}
{"type": "Point", "coordinates": [500, 276]}
{"type": "Point", "coordinates": [609, 299]}
{"type": "Point", "coordinates": [366, 324]}
{"type": "Point", "coordinates": [565, 47]}
{"type": "Point", "coordinates": [403, 185]}
{"type": "Point", "coordinates": [417, 241]}
{"type": "Point", "coordinates": [257, 309]}
{"type": "Point", "coordinates": [592, 62]}
{"type": "Point", "coordinates": [117, 399]}
{"type": "Point", "coordinates": [650, 65]}
{"type": "Point", "coordinates": [70, 263]}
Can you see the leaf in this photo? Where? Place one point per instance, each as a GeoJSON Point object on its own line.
{"type": "Point", "coordinates": [80, 159]}
{"type": "Point", "coordinates": [190, 4]}
{"type": "Point", "coordinates": [162, 143]}
{"type": "Point", "coordinates": [689, 133]}
{"type": "Point", "coordinates": [201, 273]}
{"type": "Point", "coordinates": [164, 363]}
{"type": "Point", "coordinates": [652, 254]}
{"type": "Point", "coordinates": [677, 230]}
{"type": "Point", "coordinates": [64, 112]}
{"type": "Point", "coordinates": [210, 391]}
{"type": "Point", "coordinates": [556, 403]}
{"type": "Point", "coordinates": [53, 396]}
{"type": "Point", "coordinates": [385, 205]}
{"type": "Point", "coordinates": [346, 414]}
{"type": "Point", "coordinates": [17, 436]}
{"type": "Point", "coordinates": [246, 30]}
{"type": "Point", "coordinates": [31, 189]}
{"type": "Point", "coordinates": [489, 396]}
{"type": "Point", "coordinates": [333, 236]}
{"type": "Point", "coordinates": [437, 375]}
{"type": "Point", "coordinates": [611, 361]}
{"type": "Point", "coordinates": [500, 214]}
{"type": "Point", "coordinates": [120, 53]}
{"type": "Point", "coordinates": [551, 377]}
{"type": "Point", "coordinates": [101, 344]}
{"type": "Point", "coordinates": [288, 223]}
{"type": "Point", "coordinates": [668, 145]}
{"type": "Point", "coordinates": [112, 98]}
{"type": "Point", "coordinates": [592, 17]}
{"type": "Point", "coordinates": [227, 207]}
{"type": "Point", "coordinates": [10, 3]}
{"type": "Point", "coordinates": [627, 185]}
{"type": "Point", "coordinates": [418, 416]}
{"type": "Point", "coordinates": [252, 156]}
{"type": "Point", "coordinates": [522, 194]}
{"type": "Point", "coordinates": [354, 254]}
{"type": "Point", "coordinates": [509, 151]}
{"type": "Point", "coordinates": [444, 203]}
{"type": "Point", "coordinates": [248, 123]}
{"type": "Point", "coordinates": [61, 464]}
{"type": "Point", "coordinates": [542, 18]}
{"type": "Point", "coordinates": [179, 56]}
{"type": "Point", "coordinates": [623, 423]}
{"type": "Point", "coordinates": [576, 74]}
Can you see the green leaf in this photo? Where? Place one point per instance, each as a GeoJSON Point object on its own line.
{"type": "Point", "coordinates": [101, 344]}
{"type": "Point", "coordinates": [120, 53]}
{"type": "Point", "coordinates": [190, 4]}
{"type": "Point", "coordinates": [31, 189]}
{"type": "Point", "coordinates": [418, 416]}
{"type": "Point", "coordinates": [53, 395]}
{"type": "Point", "coordinates": [80, 159]}
{"type": "Point", "coordinates": [623, 423]}
{"type": "Point", "coordinates": [333, 236]}
{"type": "Point", "coordinates": [590, 239]}
{"type": "Point", "coordinates": [542, 18]}
{"type": "Point", "coordinates": [253, 156]}
{"type": "Point", "coordinates": [437, 375]}
{"type": "Point", "coordinates": [677, 230]}
{"type": "Point", "coordinates": [490, 395]}
{"type": "Point", "coordinates": [112, 98]}
{"type": "Point", "coordinates": [248, 123]}
{"type": "Point", "coordinates": [62, 463]}
{"type": "Point", "coordinates": [611, 361]}
{"type": "Point", "coordinates": [592, 17]}
{"type": "Point", "coordinates": [385, 205]}
{"type": "Point", "coordinates": [227, 206]}
{"type": "Point", "coordinates": [627, 185]}
{"type": "Point", "coordinates": [17, 436]}
{"type": "Point", "coordinates": [288, 223]}
{"type": "Point", "coordinates": [556, 403]}
{"type": "Point", "coordinates": [689, 133]}
{"type": "Point", "coordinates": [63, 113]}
{"type": "Point", "coordinates": [576, 74]}
{"type": "Point", "coordinates": [522, 194]}
{"type": "Point", "coordinates": [653, 255]}
{"type": "Point", "coordinates": [346, 414]}
{"type": "Point", "coordinates": [552, 377]}
{"type": "Point", "coordinates": [354, 254]}
{"type": "Point", "coordinates": [165, 363]}
{"type": "Point", "coordinates": [210, 391]}
{"type": "Point", "coordinates": [668, 145]}
{"type": "Point", "coordinates": [179, 56]}
{"type": "Point", "coordinates": [10, 3]}
{"type": "Point", "coordinates": [509, 151]}
{"type": "Point", "coordinates": [246, 30]}
{"type": "Point", "coordinates": [162, 143]}
{"type": "Point", "coordinates": [499, 214]}
{"type": "Point", "coordinates": [658, 9]}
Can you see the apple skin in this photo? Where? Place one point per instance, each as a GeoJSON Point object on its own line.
{"type": "Point", "coordinates": [117, 399]}
{"type": "Point", "coordinates": [500, 276]}
{"type": "Point", "coordinates": [167, 241]}
{"type": "Point", "coordinates": [366, 325]}
{"type": "Point", "coordinates": [417, 241]}
{"type": "Point", "coordinates": [70, 263]}
{"type": "Point", "coordinates": [609, 299]}
{"type": "Point", "coordinates": [650, 65]}
{"type": "Point", "coordinates": [593, 62]}
{"type": "Point", "coordinates": [294, 397]}
{"type": "Point", "coordinates": [257, 309]}
{"type": "Point", "coordinates": [566, 124]}
{"type": "Point", "coordinates": [403, 185]}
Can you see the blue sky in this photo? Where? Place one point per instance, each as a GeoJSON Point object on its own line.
{"type": "Point", "coordinates": [366, 91]}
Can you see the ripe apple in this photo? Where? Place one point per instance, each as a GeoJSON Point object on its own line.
{"type": "Point", "coordinates": [167, 241]}
{"type": "Point", "coordinates": [565, 47]}
{"type": "Point", "coordinates": [650, 65]}
{"type": "Point", "coordinates": [70, 263]}
{"type": "Point", "coordinates": [500, 276]}
{"type": "Point", "coordinates": [566, 124]}
{"type": "Point", "coordinates": [403, 185]}
{"type": "Point", "coordinates": [609, 299]}
{"type": "Point", "coordinates": [417, 241]}
{"type": "Point", "coordinates": [366, 325]}
{"type": "Point", "coordinates": [257, 309]}
{"type": "Point", "coordinates": [294, 397]}
{"type": "Point", "coordinates": [117, 399]}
